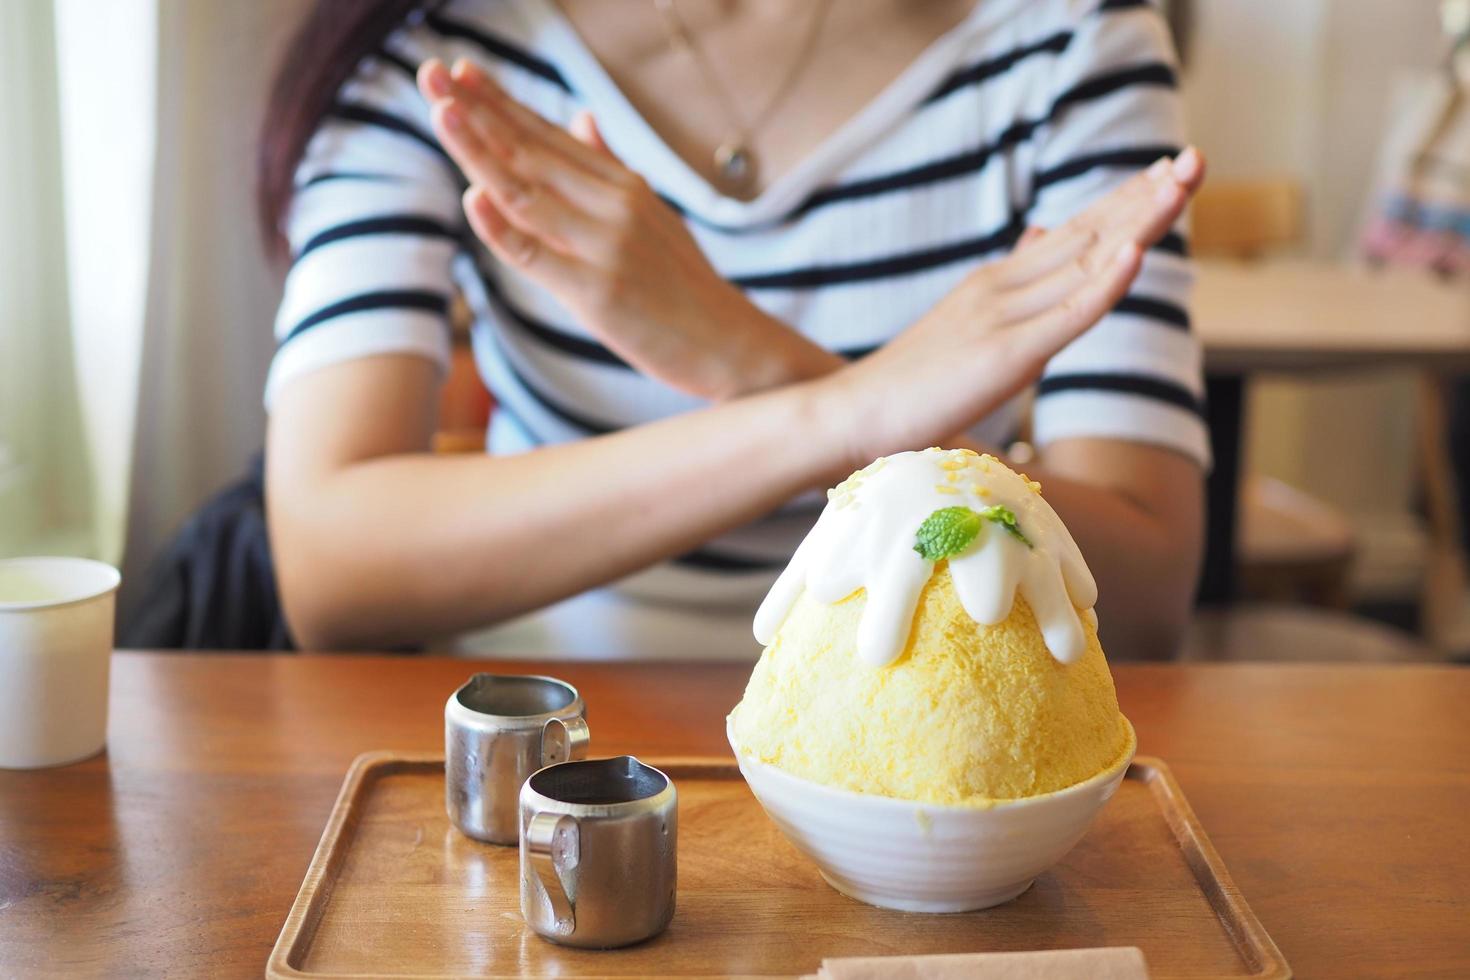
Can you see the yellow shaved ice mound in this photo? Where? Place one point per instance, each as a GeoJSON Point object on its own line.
{"type": "Point", "coordinates": [967, 714]}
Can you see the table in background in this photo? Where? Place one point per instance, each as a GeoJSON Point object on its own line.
{"type": "Point", "coordinates": [1337, 796]}
{"type": "Point", "coordinates": [1302, 315]}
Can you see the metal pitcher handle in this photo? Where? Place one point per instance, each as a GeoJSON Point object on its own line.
{"type": "Point", "coordinates": [563, 740]}
{"type": "Point", "coordinates": [554, 845]}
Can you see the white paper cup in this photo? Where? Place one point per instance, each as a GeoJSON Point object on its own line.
{"type": "Point", "coordinates": [56, 618]}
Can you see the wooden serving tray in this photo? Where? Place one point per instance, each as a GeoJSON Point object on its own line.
{"type": "Point", "coordinates": [394, 890]}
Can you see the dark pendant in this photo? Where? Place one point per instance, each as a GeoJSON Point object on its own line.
{"type": "Point", "coordinates": [733, 162]}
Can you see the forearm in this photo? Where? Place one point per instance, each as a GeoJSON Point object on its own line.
{"type": "Point", "coordinates": [404, 547]}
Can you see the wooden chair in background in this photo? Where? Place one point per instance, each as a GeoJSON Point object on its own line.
{"type": "Point", "coordinates": [1290, 546]}
{"type": "Point", "coordinates": [1243, 219]}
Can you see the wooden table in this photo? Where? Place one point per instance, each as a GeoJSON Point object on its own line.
{"type": "Point", "coordinates": [1299, 314]}
{"type": "Point", "coordinates": [1338, 796]}
{"type": "Point", "coordinates": [1304, 315]}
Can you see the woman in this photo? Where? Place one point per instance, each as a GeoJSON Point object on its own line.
{"type": "Point", "coordinates": [720, 253]}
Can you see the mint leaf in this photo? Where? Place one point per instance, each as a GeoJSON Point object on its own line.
{"type": "Point", "coordinates": [950, 530]}
{"type": "Point", "coordinates": [946, 532]}
{"type": "Point", "coordinates": [1003, 516]}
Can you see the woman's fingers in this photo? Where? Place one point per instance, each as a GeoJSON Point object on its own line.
{"type": "Point", "coordinates": [479, 159]}
{"type": "Point", "coordinates": [1145, 220]}
{"type": "Point", "coordinates": [1140, 201]}
{"type": "Point", "coordinates": [1043, 255]}
{"type": "Point", "coordinates": [1043, 335]}
{"type": "Point", "coordinates": [518, 193]}
{"type": "Point", "coordinates": [584, 128]}
{"type": "Point", "coordinates": [1146, 207]}
{"type": "Point", "coordinates": [495, 129]}
{"type": "Point", "coordinates": [530, 158]}
{"type": "Point", "coordinates": [1145, 204]}
{"type": "Point", "coordinates": [1189, 168]}
{"type": "Point", "coordinates": [527, 204]}
{"type": "Point", "coordinates": [1140, 210]}
{"type": "Point", "coordinates": [530, 125]}
{"type": "Point", "coordinates": [433, 80]}
{"type": "Point", "coordinates": [539, 211]}
{"type": "Point", "coordinates": [515, 247]}
{"type": "Point", "coordinates": [1029, 237]}
{"type": "Point", "coordinates": [1096, 227]}
{"type": "Point", "coordinates": [1047, 291]}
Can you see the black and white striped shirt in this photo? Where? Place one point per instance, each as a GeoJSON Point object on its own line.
{"type": "Point", "coordinates": [1021, 115]}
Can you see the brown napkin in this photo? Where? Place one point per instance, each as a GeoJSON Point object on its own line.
{"type": "Point", "coordinates": [1111, 963]}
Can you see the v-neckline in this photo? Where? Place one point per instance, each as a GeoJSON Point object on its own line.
{"type": "Point", "coordinates": [641, 146]}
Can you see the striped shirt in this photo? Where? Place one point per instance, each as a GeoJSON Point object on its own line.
{"type": "Point", "coordinates": [1021, 115]}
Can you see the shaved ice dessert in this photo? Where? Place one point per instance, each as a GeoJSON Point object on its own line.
{"type": "Point", "coordinates": [933, 640]}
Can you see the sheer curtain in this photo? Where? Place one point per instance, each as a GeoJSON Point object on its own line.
{"type": "Point", "coordinates": [45, 499]}
{"type": "Point", "coordinates": [137, 305]}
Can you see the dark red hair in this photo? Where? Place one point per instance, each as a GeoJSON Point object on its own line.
{"type": "Point", "coordinates": [332, 39]}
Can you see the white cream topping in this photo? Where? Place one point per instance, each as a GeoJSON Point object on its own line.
{"type": "Point", "coordinates": [864, 539]}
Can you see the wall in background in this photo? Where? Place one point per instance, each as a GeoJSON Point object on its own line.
{"type": "Point", "coordinates": [1253, 85]}
{"type": "Point", "coordinates": [1306, 89]}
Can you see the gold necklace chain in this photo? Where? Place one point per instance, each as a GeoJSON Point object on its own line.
{"type": "Point", "coordinates": [733, 158]}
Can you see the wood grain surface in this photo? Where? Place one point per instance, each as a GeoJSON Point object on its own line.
{"type": "Point", "coordinates": [1338, 796]}
{"type": "Point", "coordinates": [394, 890]}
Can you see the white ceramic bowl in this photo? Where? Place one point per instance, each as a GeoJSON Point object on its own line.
{"type": "Point", "coordinates": [923, 857]}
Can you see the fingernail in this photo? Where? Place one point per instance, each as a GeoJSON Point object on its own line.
{"type": "Point", "coordinates": [1159, 167]}
{"type": "Point", "coordinates": [1186, 162]}
{"type": "Point", "coordinates": [437, 80]}
{"type": "Point", "coordinates": [463, 67]}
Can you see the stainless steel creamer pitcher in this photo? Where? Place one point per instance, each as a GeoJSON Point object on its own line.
{"type": "Point", "coordinates": [498, 729]}
{"type": "Point", "coordinates": [599, 847]}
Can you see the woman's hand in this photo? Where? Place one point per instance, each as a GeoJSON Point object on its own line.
{"type": "Point", "coordinates": [566, 212]}
{"type": "Point", "coordinates": [562, 209]}
{"type": "Point", "coordinates": [992, 336]}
